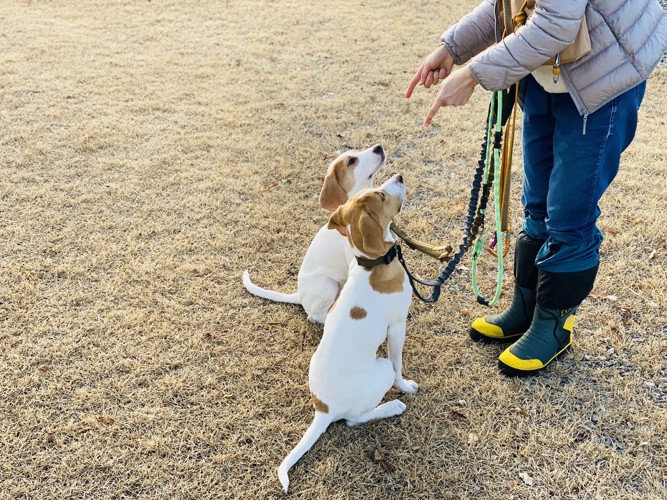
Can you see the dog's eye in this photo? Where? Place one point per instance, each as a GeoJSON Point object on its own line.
{"type": "Point", "coordinates": [382, 196]}
{"type": "Point", "coordinates": [351, 161]}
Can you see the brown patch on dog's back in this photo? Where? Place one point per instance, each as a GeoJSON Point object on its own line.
{"type": "Point", "coordinates": [319, 405]}
{"type": "Point", "coordinates": [387, 279]}
{"type": "Point", "coordinates": [358, 313]}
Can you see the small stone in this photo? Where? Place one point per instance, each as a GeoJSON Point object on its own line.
{"type": "Point", "coordinates": [649, 384]}
{"type": "Point", "coordinates": [463, 402]}
{"type": "Point", "coordinates": [525, 477]}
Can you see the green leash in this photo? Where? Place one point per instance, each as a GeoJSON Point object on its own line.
{"type": "Point", "coordinates": [492, 161]}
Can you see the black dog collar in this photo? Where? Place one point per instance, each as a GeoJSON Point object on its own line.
{"type": "Point", "coordinates": [385, 259]}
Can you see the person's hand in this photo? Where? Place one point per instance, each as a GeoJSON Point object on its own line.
{"type": "Point", "coordinates": [436, 67]}
{"type": "Point", "coordinates": [455, 91]}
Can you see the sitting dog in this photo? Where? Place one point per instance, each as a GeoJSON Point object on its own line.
{"type": "Point", "coordinates": [347, 380]}
{"type": "Point", "coordinates": [325, 266]}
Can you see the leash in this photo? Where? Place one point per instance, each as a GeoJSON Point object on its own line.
{"type": "Point", "coordinates": [483, 181]}
{"type": "Point", "coordinates": [494, 155]}
{"type": "Point", "coordinates": [492, 160]}
{"type": "Point", "coordinates": [474, 222]}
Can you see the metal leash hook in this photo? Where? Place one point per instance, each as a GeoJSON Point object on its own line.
{"type": "Point", "coordinates": [506, 247]}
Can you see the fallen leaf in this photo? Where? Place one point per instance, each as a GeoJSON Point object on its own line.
{"type": "Point", "coordinates": [50, 438]}
{"type": "Point", "coordinates": [105, 420]}
{"type": "Point", "coordinates": [458, 414]}
{"type": "Point", "coordinates": [526, 478]}
{"type": "Point", "coordinates": [379, 459]}
{"type": "Point", "coordinates": [43, 368]}
{"type": "Point", "coordinates": [595, 294]}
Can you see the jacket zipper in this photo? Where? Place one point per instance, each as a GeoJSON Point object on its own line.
{"type": "Point", "coordinates": [585, 122]}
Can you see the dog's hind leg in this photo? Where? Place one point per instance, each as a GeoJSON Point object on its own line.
{"type": "Point", "coordinates": [385, 410]}
{"type": "Point", "coordinates": [370, 390]}
{"type": "Point", "coordinates": [318, 298]}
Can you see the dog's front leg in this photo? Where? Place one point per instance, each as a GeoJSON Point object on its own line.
{"type": "Point", "coordinates": [395, 341]}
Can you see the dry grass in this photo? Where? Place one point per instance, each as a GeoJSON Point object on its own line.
{"type": "Point", "coordinates": [138, 140]}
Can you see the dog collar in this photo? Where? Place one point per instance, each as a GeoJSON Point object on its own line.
{"type": "Point", "coordinates": [385, 259]}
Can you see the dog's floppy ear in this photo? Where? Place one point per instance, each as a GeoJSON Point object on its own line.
{"type": "Point", "coordinates": [368, 234]}
{"type": "Point", "coordinates": [338, 220]}
{"type": "Point", "coordinates": [332, 195]}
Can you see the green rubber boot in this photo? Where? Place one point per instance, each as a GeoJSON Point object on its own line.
{"type": "Point", "coordinates": [549, 336]}
{"type": "Point", "coordinates": [510, 324]}
{"type": "Point", "coordinates": [551, 331]}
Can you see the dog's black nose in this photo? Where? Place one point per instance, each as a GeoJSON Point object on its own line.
{"type": "Point", "coordinates": [399, 178]}
{"type": "Point", "coordinates": [378, 150]}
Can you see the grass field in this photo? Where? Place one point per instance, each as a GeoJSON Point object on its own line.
{"type": "Point", "coordinates": [150, 151]}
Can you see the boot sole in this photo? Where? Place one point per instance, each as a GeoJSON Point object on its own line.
{"type": "Point", "coordinates": [476, 336]}
{"type": "Point", "coordinates": [508, 371]}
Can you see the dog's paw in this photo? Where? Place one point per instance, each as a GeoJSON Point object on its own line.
{"type": "Point", "coordinates": [394, 408]}
{"type": "Point", "coordinates": [407, 386]}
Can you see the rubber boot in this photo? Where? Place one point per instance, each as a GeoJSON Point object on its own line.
{"type": "Point", "coordinates": [515, 320]}
{"type": "Point", "coordinates": [551, 331]}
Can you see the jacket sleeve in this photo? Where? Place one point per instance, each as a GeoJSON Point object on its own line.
{"type": "Point", "coordinates": [473, 33]}
{"type": "Point", "coordinates": [552, 26]}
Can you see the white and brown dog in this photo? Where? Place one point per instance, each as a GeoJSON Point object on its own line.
{"type": "Point", "coordinates": [347, 380]}
{"type": "Point", "coordinates": [325, 266]}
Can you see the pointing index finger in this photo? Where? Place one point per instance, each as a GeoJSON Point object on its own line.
{"type": "Point", "coordinates": [413, 83]}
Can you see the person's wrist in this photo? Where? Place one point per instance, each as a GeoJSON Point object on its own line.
{"type": "Point", "coordinates": [470, 77]}
{"type": "Point", "coordinates": [442, 46]}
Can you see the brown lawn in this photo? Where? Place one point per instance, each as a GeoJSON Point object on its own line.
{"type": "Point", "coordinates": [150, 151]}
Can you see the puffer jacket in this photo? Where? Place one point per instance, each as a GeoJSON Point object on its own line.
{"type": "Point", "coordinates": [628, 38]}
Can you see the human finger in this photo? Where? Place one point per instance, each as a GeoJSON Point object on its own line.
{"type": "Point", "coordinates": [429, 80]}
{"type": "Point", "coordinates": [437, 104]}
{"type": "Point", "coordinates": [413, 83]}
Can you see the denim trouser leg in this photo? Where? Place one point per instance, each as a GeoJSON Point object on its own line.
{"type": "Point", "coordinates": [566, 172]}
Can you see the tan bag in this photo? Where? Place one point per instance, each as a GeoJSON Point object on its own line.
{"type": "Point", "coordinates": [522, 9]}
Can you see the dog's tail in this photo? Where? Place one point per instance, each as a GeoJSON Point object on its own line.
{"type": "Point", "coordinates": [316, 429]}
{"type": "Point", "coordinates": [292, 298]}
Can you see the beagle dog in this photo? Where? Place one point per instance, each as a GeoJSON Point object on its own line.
{"type": "Point", "coordinates": [347, 380]}
{"type": "Point", "coordinates": [325, 266]}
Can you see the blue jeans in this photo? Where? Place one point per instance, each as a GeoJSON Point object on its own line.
{"type": "Point", "coordinates": [567, 168]}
